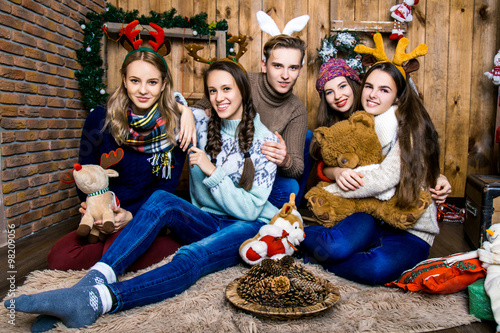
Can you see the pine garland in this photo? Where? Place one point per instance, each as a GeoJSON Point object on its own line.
{"type": "Point", "coordinates": [90, 78]}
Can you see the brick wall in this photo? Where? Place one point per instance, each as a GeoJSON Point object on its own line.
{"type": "Point", "coordinates": [41, 112]}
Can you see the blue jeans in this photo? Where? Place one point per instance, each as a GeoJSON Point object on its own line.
{"type": "Point", "coordinates": [213, 240]}
{"type": "Point", "coordinates": [283, 186]}
{"type": "Point", "coordinates": [363, 249]}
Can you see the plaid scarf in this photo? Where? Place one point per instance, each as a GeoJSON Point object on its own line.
{"type": "Point", "coordinates": [156, 142]}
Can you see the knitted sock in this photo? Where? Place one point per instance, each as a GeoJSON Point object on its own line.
{"type": "Point", "coordinates": [98, 274]}
{"type": "Point", "coordinates": [76, 307]}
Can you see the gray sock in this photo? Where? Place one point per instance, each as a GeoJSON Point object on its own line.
{"type": "Point", "coordinates": [76, 307]}
{"type": "Point", "coordinates": [44, 323]}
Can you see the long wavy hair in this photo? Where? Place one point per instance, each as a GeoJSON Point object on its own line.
{"type": "Point", "coordinates": [418, 139]}
{"type": "Point", "coordinates": [118, 102]}
{"type": "Point", "coordinates": [245, 128]}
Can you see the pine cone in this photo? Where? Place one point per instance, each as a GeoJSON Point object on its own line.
{"type": "Point", "coordinates": [280, 285]}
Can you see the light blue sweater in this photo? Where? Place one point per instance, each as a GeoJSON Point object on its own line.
{"type": "Point", "coordinates": [220, 193]}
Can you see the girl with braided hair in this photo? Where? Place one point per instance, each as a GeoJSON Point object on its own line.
{"type": "Point", "coordinates": [230, 182]}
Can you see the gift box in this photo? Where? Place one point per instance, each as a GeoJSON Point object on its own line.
{"type": "Point", "coordinates": [482, 207]}
{"type": "Point", "coordinates": [479, 302]}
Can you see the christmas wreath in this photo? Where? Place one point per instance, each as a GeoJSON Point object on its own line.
{"type": "Point", "coordinates": [90, 77]}
{"type": "Point", "coordinates": [341, 45]}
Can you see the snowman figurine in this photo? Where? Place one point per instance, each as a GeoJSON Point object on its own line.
{"type": "Point", "coordinates": [494, 74]}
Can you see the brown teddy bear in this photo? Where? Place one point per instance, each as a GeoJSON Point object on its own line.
{"type": "Point", "coordinates": [354, 143]}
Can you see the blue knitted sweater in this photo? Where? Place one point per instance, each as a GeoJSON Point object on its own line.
{"type": "Point", "coordinates": [135, 182]}
{"type": "Point", "coordinates": [219, 193]}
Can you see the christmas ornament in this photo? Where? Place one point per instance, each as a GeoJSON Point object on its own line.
{"type": "Point", "coordinates": [401, 13]}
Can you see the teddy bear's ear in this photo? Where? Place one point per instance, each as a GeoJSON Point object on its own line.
{"type": "Point", "coordinates": [319, 134]}
{"type": "Point", "coordinates": [362, 118]}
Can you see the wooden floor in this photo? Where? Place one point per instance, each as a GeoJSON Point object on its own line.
{"type": "Point", "coordinates": [31, 253]}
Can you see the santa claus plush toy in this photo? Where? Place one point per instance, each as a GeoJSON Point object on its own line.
{"type": "Point", "coordinates": [401, 13]}
{"type": "Point", "coordinates": [494, 74]}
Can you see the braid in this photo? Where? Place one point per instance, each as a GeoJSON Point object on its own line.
{"type": "Point", "coordinates": [214, 138]}
{"type": "Point", "coordinates": [245, 140]}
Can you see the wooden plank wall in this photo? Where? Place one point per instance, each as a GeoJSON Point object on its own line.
{"type": "Point", "coordinates": [462, 40]}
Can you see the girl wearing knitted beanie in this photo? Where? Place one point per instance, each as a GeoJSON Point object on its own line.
{"type": "Point", "coordinates": [339, 87]}
{"type": "Point", "coordinates": [230, 182]}
{"type": "Point", "coordinates": [361, 248]}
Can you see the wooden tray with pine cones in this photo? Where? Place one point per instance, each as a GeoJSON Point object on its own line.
{"type": "Point", "coordinates": [282, 289]}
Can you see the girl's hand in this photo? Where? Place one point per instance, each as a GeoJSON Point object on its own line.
{"type": "Point", "coordinates": [122, 217]}
{"type": "Point", "coordinates": [199, 157]}
{"type": "Point", "coordinates": [83, 208]}
{"type": "Point", "coordinates": [274, 151]}
{"type": "Point", "coordinates": [347, 179]}
{"type": "Point", "coordinates": [442, 189]}
{"type": "Point", "coordinates": [187, 132]}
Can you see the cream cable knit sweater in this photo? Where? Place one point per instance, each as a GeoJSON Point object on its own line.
{"type": "Point", "coordinates": [386, 175]}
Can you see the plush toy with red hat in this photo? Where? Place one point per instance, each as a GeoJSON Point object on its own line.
{"type": "Point", "coordinates": [277, 239]}
{"type": "Point", "coordinates": [494, 74]}
{"type": "Point", "coordinates": [401, 13]}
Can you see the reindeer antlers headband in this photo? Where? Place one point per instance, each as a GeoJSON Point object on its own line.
{"type": "Point", "coordinates": [377, 55]}
{"type": "Point", "coordinates": [240, 40]}
{"type": "Point", "coordinates": [132, 43]}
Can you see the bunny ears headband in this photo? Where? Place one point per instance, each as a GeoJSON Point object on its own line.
{"type": "Point", "coordinates": [406, 63]}
{"type": "Point", "coordinates": [267, 24]}
{"type": "Point", "coordinates": [132, 43]}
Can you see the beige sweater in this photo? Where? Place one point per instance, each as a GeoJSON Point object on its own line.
{"type": "Point", "coordinates": [283, 113]}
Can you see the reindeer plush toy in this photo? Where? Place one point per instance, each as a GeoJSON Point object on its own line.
{"type": "Point", "coordinates": [93, 180]}
{"type": "Point", "coordinates": [277, 239]}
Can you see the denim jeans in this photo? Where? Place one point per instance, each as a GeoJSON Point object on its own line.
{"type": "Point", "coordinates": [283, 186]}
{"type": "Point", "coordinates": [363, 249]}
{"type": "Point", "coordinates": [213, 240]}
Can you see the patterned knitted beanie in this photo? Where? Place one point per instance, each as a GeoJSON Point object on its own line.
{"type": "Point", "coordinates": [333, 68]}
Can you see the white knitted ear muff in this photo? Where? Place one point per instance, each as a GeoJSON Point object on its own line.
{"type": "Point", "coordinates": [267, 24]}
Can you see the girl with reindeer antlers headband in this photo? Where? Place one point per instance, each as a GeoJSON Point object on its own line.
{"type": "Point", "coordinates": [144, 122]}
{"type": "Point", "coordinates": [230, 181]}
{"type": "Point", "coordinates": [280, 110]}
{"type": "Point", "coordinates": [359, 247]}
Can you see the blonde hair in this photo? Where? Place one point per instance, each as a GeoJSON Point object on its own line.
{"type": "Point", "coordinates": [117, 105]}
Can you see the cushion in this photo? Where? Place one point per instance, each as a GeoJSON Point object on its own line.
{"type": "Point", "coordinates": [435, 276]}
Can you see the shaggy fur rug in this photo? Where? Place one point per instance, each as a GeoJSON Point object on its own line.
{"type": "Point", "coordinates": [204, 308]}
